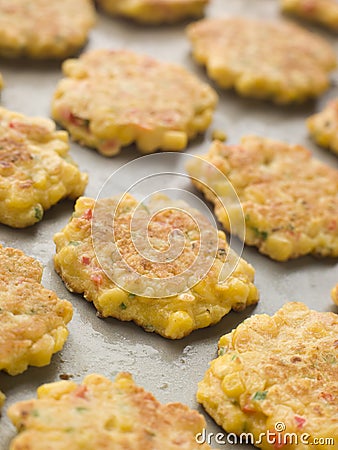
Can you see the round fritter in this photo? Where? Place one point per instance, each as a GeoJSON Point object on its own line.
{"type": "Point", "coordinates": [322, 12]}
{"type": "Point", "coordinates": [334, 294]}
{"type": "Point", "coordinates": [43, 28]}
{"type": "Point", "coordinates": [155, 11]}
{"type": "Point", "coordinates": [111, 99]}
{"type": "Point", "coordinates": [289, 199]}
{"type": "Point", "coordinates": [32, 319]}
{"type": "Point", "coordinates": [101, 414]}
{"type": "Point", "coordinates": [323, 126]}
{"type": "Point", "coordinates": [35, 169]}
{"type": "Point", "coordinates": [277, 374]}
{"type": "Point", "coordinates": [160, 296]}
{"type": "Point", "coordinates": [259, 59]}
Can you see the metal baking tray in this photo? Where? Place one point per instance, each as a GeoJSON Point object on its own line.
{"type": "Point", "coordinates": [169, 369]}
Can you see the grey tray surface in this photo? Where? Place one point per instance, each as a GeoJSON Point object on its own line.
{"type": "Point", "coordinates": [169, 369]}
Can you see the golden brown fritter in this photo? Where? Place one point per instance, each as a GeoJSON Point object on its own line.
{"type": "Point", "coordinates": [43, 28]}
{"type": "Point", "coordinates": [159, 296]}
{"type": "Point", "coordinates": [110, 99]}
{"type": "Point", "coordinates": [322, 12]}
{"type": "Point", "coordinates": [323, 126]}
{"type": "Point", "coordinates": [289, 198]}
{"type": "Point", "coordinates": [32, 319]}
{"type": "Point", "coordinates": [35, 169]}
{"type": "Point", "coordinates": [259, 59]}
{"type": "Point", "coordinates": [100, 414]}
{"type": "Point", "coordinates": [155, 11]}
{"type": "Point", "coordinates": [274, 374]}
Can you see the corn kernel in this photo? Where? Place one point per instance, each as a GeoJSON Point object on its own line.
{"type": "Point", "coordinates": [179, 323]}
{"type": "Point", "coordinates": [111, 300]}
{"type": "Point", "coordinates": [232, 385]}
{"type": "Point", "coordinates": [174, 140]}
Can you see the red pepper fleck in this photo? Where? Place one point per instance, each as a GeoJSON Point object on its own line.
{"type": "Point", "coordinates": [277, 445]}
{"type": "Point", "coordinates": [310, 6]}
{"type": "Point", "coordinates": [327, 396]}
{"type": "Point", "coordinates": [80, 391]}
{"type": "Point", "coordinates": [300, 421]}
{"type": "Point", "coordinates": [88, 214]}
{"type": "Point", "coordinates": [85, 260]}
{"type": "Point", "coordinates": [332, 225]}
{"type": "Point", "coordinates": [247, 408]}
{"type": "Point", "coordinates": [71, 118]}
{"type": "Point", "coordinates": [97, 278]}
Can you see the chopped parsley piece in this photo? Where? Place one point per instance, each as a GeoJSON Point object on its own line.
{"type": "Point", "coordinates": [261, 234]}
{"type": "Point", "coordinates": [123, 306]}
{"type": "Point", "coordinates": [74, 243]}
{"type": "Point", "coordinates": [222, 351]}
{"type": "Point", "coordinates": [81, 409]}
{"type": "Point", "coordinates": [130, 295]}
{"type": "Point", "coordinates": [260, 395]}
{"type": "Point", "coordinates": [38, 212]}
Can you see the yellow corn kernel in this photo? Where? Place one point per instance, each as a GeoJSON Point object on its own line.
{"type": "Point", "coordinates": [316, 329]}
{"type": "Point", "coordinates": [278, 247]}
{"type": "Point", "coordinates": [232, 385]}
{"type": "Point", "coordinates": [235, 421]}
{"type": "Point", "coordinates": [56, 390]}
{"type": "Point", "coordinates": [60, 337]}
{"type": "Point", "coordinates": [174, 140]}
{"type": "Point", "coordinates": [219, 135]}
{"type": "Point", "coordinates": [125, 134]}
{"type": "Point", "coordinates": [111, 300]}
{"type": "Point", "coordinates": [203, 320]}
{"type": "Point", "coordinates": [42, 350]}
{"type": "Point", "coordinates": [235, 289]}
{"type": "Point", "coordinates": [19, 201]}
{"type": "Point", "coordinates": [179, 324]}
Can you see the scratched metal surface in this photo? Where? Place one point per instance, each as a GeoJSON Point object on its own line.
{"type": "Point", "coordinates": [170, 369]}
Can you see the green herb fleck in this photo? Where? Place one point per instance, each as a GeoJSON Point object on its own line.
{"type": "Point", "coordinates": [233, 357]}
{"type": "Point", "coordinates": [85, 123]}
{"type": "Point", "coordinates": [222, 351]}
{"type": "Point", "coordinates": [35, 413]}
{"type": "Point", "coordinates": [330, 358]}
{"type": "Point", "coordinates": [150, 433]}
{"type": "Point", "coordinates": [81, 409]}
{"type": "Point", "coordinates": [123, 306]}
{"type": "Point", "coordinates": [130, 295]}
{"type": "Point", "coordinates": [38, 212]}
{"type": "Point", "coordinates": [260, 395]}
{"type": "Point", "coordinates": [260, 233]}
{"type": "Point", "coordinates": [74, 243]}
